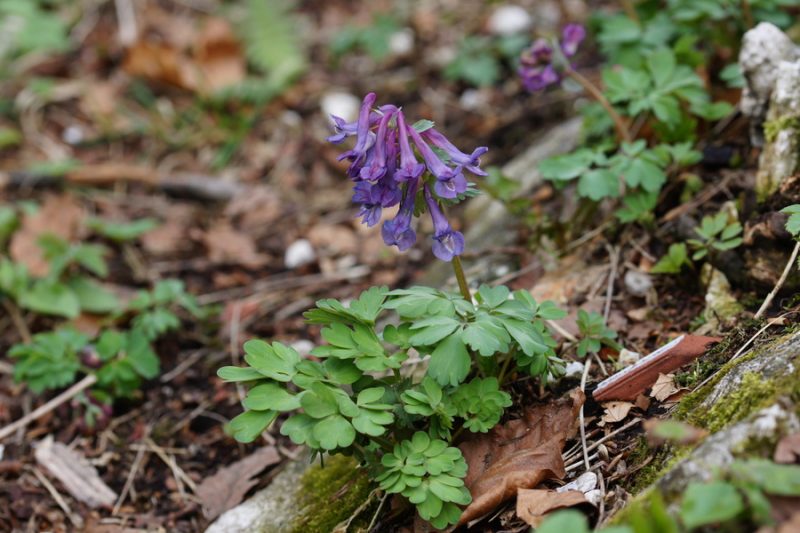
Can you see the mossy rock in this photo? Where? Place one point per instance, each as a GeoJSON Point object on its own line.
{"type": "Point", "coordinates": [305, 498]}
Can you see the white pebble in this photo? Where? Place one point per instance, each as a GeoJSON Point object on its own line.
{"type": "Point", "coordinates": [573, 368]}
{"type": "Point", "coordinates": [584, 483]}
{"type": "Point", "coordinates": [341, 104]}
{"type": "Point", "coordinates": [638, 283]}
{"type": "Point", "coordinates": [509, 19]}
{"type": "Point", "coordinates": [402, 42]}
{"type": "Point", "coordinates": [299, 253]}
{"type": "Point", "coordinates": [303, 346]}
{"type": "Point", "coordinates": [72, 135]}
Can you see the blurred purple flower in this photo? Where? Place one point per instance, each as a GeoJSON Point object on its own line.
{"type": "Point", "coordinates": [541, 64]}
{"type": "Point", "coordinates": [398, 232]}
{"type": "Point", "coordinates": [571, 37]}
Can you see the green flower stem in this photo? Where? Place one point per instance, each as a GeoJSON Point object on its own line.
{"type": "Point", "coordinates": [622, 128]}
{"type": "Point", "coordinates": [461, 278]}
{"type": "Point", "coordinates": [501, 376]}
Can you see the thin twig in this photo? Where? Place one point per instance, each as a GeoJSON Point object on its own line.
{"type": "Point", "coordinates": [781, 281]}
{"type": "Point", "coordinates": [622, 128]}
{"type": "Point", "coordinates": [177, 471]}
{"type": "Point", "coordinates": [234, 343]}
{"type": "Point", "coordinates": [613, 254]}
{"type": "Point", "coordinates": [76, 520]}
{"type": "Point", "coordinates": [561, 331]}
{"type": "Point", "coordinates": [377, 512]}
{"type": "Point", "coordinates": [126, 18]}
{"type": "Point", "coordinates": [581, 420]}
{"type": "Point", "coordinates": [129, 481]}
{"type": "Point", "coordinates": [607, 437]}
{"type": "Point", "coordinates": [65, 396]}
{"type": "Point", "coordinates": [18, 320]}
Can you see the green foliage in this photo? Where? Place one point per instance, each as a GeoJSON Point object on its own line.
{"type": "Point", "coordinates": [480, 60]}
{"type": "Point", "coordinates": [122, 231]}
{"type": "Point", "coordinates": [793, 222]}
{"type": "Point", "coordinates": [594, 333]}
{"type": "Point", "coordinates": [430, 473]}
{"type": "Point", "coordinates": [273, 46]}
{"type": "Point", "coordinates": [50, 361]}
{"type": "Point", "coordinates": [33, 27]}
{"type": "Point", "coordinates": [641, 170]}
{"type": "Point", "coordinates": [672, 263]}
{"type": "Point", "coordinates": [709, 503]}
{"type": "Point", "coordinates": [354, 400]}
{"type": "Point", "coordinates": [717, 233]}
{"type": "Point", "coordinates": [373, 39]}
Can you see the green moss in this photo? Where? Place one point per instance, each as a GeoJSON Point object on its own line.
{"type": "Point", "coordinates": [331, 494]}
{"type": "Point", "coordinates": [775, 126]}
{"type": "Point", "coordinates": [663, 460]}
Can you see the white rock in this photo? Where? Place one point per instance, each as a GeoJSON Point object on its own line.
{"type": "Point", "coordinates": [763, 49]}
{"type": "Point", "coordinates": [299, 253]}
{"type": "Point", "coordinates": [573, 368]}
{"type": "Point", "coordinates": [473, 99]}
{"type": "Point", "coordinates": [402, 42]}
{"type": "Point", "coordinates": [509, 19]}
{"type": "Point", "coordinates": [73, 135]}
{"type": "Point", "coordinates": [303, 346]}
{"type": "Point", "coordinates": [638, 283]}
{"type": "Point", "coordinates": [341, 104]}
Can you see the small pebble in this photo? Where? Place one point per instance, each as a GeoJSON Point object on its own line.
{"type": "Point", "coordinates": [509, 19]}
{"type": "Point", "coordinates": [299, 253]}
{"type": "Point", "coordinates": [73, 135]}
{"type": "Point", "coordinates": [303, 346]}
{"type": "Point", "coordinates": [638, 283]}
{"type": "Point", "coordinates": [584, 483]}
{"type": "Point", "coordinates": [401, 42]}
{"type": "Point", "coordinates": [473, 99]}
{"type": "Point", "coordinates": [573, 368]}
{"type": "Point", "coordinates": [341, 104]}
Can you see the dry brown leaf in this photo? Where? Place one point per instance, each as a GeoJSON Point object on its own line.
{"type": "Point", "coordinates": [664, 387]}
{"type": "Point", "coordinates": [225, 244]}
{"type": "Point", "coordinates": [534, 504]}
{"type": "Point", "coordinates": [227, 487]}
{"type": "Point", "coordinates": [255, 208]}
{"type": "Point", "coordinates": [518, 455]}
{"type": "Point", "coordinates": [334, 239]}
{"type": "Point", "coordinates": [74, 472]}
{"type": "Point", "coordinates": [59, 215]}
{"type": "Point", "coordinates": [788, 449]}
{"type": "Point", "coordinates": [616, 411]}
{"type": "Point", "coordinates": [161, 63]}
{"type": "Point", "coordinates": [219, 56]}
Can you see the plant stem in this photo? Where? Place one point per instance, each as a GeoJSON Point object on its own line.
{"type": "Point", "coordinates": [501, 376]}
{"type": "Point", "coordinates": [622, 128]}
{"type": "Point", "coordinates": [630, 11]}
{"type": "Point", "coordinates": [747, 14]}
{"type": "Point", "coordinates": [461, 278]}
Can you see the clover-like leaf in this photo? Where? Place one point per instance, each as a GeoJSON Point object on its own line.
{"type": "Point", "coordinates": [275, 361]}
{"type": "Point", "coordinates": [270, 396]}
{"type": "Point", "coordinates": [334, 432]}
{"type": "Point", "coordinates": [249, 425]}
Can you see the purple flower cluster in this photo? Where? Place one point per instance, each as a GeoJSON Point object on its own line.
{"type": "Point", "coordinates": [540, 65]}
{"type": "Point", "coordinates": [387, 172]}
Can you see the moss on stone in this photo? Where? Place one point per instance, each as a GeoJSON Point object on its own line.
{"type": "Point", "coordinates": [775, 126]}
{"type": "Point", "coordinates": [663, 459]}
{"type": "Point", "coordinates": [330, 494]}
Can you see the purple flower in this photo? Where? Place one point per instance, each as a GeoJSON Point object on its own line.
{"type": "Point", "coordinates": [539, 53]}
{"type": "Point", "coordinates": [450, 182]}
{"type": "Point", "coordinates": [447, 243]}
{"type": "Point", "coordinates": [538, 78]}
{"type": "Point", "coordinates": [470, 162]}
{"type": "Point", "coordinates": [398, 232]}
{"type": "Point", "coordinates": [364, 137]}
{"type": "Point", "coordinates": [410, 168]}
{"type": "Point", "coordinates": [386, 168]}
{"type": "Point", "coordinates": [373, 197]}
{"type": "Point", "coordinates": [375, 165]}
{"type": "Point", "coordinates": [571, 37]}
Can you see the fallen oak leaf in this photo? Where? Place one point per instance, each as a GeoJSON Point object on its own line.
{"type": "Point", "coordinates": [616, 411]}
{"type": "Point", "coordinates": [227, 487]}
{"type": "Point", "coordinates": [533, 505]}
{"type": "Point", "coordinates": [664, 387]}
{"type": "Point", "coordinates": [518, 455]}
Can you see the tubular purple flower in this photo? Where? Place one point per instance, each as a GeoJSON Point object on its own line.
{"type": "Point", "coordinates": [571, 37]}
{"type": "Point", "coordinates": [410, 168]}
{"type": "Point", "coordinates": [450, 181]}
{"type": "Point", "coordinates": [375, 165]}
{"type": "Point", "coordinates": [398, 232]}
{"type": "Point", "coordinates": [373, 197]}
{"type": "Point", "coordinates": [470, 162]}
{"type": "Point", "coordinates": [539, 53]}
{"type": "Point", "coordinates": [364, 138]}
{"type": "Point", "coordinates": [538, 78]}
{"type": "Point", "coordinates": [342, 128]}
{"type": "Point", "coordinates": [447, 243]}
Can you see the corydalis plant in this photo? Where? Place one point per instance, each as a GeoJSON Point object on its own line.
{"type": "Point", "coordinates": [413, 166]}
{"type": "Point", "coordinates": [548, 62]}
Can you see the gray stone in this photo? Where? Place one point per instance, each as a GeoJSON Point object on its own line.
{"type": "Point", "coordinates": [763, 49]}
{"type": "Point", "coordinates": [272, 509]}
{"type": "Point", "coordinates": [780, 157]}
